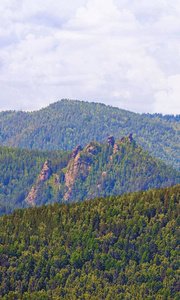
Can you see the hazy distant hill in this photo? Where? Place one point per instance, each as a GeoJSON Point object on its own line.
{"type": "Point", "coordinates": [30, 177]}
{"type": "Point", "coordinates": [124, 247]}
{"type": "Point", "coordinates": [65, 124]}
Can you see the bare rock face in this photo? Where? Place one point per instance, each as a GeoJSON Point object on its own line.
{"type": "Point", "coordinates": [111, 140]}
{"type": "Point", "coordinates": [45, 173]}
{"type": "Point", "coordinates": [76, 150]}
{"type": "Point", "coordinates": [130, 137]}
{"type": "Point", "coordinates": [30, 199]}
{"type": "Point", "coordinates": [122, 139]}
{"type": "Point", "coordinates": [72, 170]}
{"type": "Point", "coordinates": [79, 165]}
{"type": "Point", "coordinates": [115, 148]}
{"type": "Point", "coordinates": [91, 149]}
{"type": "Point", "coordinates": [43, 176]}
{"type": "Point", "coordinates": [73, 166]}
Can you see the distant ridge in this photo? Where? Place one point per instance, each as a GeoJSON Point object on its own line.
{"type": "Point", "coordinates": [67, 123]}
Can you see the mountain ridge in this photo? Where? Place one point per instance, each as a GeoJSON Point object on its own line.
{"type": "Point", "coordinates": [113, 168]}
{"type": "Point", "coordinates": [67, 123]}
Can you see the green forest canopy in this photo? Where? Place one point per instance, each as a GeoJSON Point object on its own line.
{"type": "Point", "coordinates": [119, 247]}
{"type": "Point", "coordinates": [66, 124]}
{"type": "Point", "coordinates": [97, 170]}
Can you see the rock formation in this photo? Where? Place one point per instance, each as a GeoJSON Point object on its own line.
{"type": "Point", "coordinates": [73, 168]}
{"type": "Point", "coordinates": [45, 172]}
{"type": "Point", "coordinates": [130, 137]}
{"type": "Point", "coordinates": [30, 199]}
{"type": "Point", "coordinates": [122, 139]}
{"type": "Point", "coordinates": [43, 176]}
{"type": "Point", "coordinates": [78, 166]}
{"type": "Point", "coordinates": [91, 148]}
{"type": "Point", "coordinates": [115, 148]}
{"type": "Point", "coordinates": [76, 150]}
{"type": "Point", "coordinates": [111, 140]}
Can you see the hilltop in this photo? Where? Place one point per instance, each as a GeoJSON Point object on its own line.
{"type": "Point", "coordinates": [67, 123]}
{"type": "Point", "coordinates": [30, 177]}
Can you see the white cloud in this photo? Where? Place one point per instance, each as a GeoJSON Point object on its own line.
{"type": "Point", "coordinates": [123, 53]}
{"type": "Point", "coordinates": [168, 99]}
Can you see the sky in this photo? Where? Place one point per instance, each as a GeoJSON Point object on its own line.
{"type": "Point", "coordinates": [124, 53]}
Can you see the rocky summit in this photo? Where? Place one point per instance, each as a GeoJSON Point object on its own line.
{"type": "Point", "coordinates": [115, 167]}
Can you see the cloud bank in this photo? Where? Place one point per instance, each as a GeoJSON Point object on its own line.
{"type": "Point", "coordinates": [122, 53]}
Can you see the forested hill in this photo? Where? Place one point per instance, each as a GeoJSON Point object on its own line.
{"type": "Point", "coordinates": [65, 124]}
{"type": "Point", "coordinates": [19, 169]}
{"type": "Point", "coordinates": [31, 177]}
{"type": "Point", "coordinates": [124, 247]}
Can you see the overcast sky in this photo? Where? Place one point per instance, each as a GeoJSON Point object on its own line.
{"type": "Point", "coordinates": [125, 53]}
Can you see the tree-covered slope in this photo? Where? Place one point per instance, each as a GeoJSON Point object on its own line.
{"type": "Point", "coordinates": [19, 169]}
{"type": "Point", "coordinates": [112, 168]}
{"type": "Point", "coordinates": [119, 247]}
{"type": "Point", "coordinates": [65, 124]}
{"type": "Point", "coordinates": [31, 177]}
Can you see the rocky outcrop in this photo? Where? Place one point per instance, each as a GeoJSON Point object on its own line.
{"type": "Point", "coordinates": [91, 148]}
{"type": "Point", "coordinates": [45, 172]}
{"type": "Point", "coordinates": [68, 194]}
{"type": "Point", "coordinates": [77, 170]}
{"type": "Point", "coordinates": [76, 150]}
{"type": "Point", "coordinates": [31, 197]}
{"type": "Point", "coordinates": [72, 171]}
{"type": "Point", "coordinates": [43, 176]}
{"type": "Point", "coordinates": [111, 140]}
{"type": "Point", "coordinates": [122, 139]}
{"type": "Point", "coordinates": [79, 164]}
{"type": "Point", "coordinates": [116, 148]}
{"type": "Point", "coordinates": [130, 137]}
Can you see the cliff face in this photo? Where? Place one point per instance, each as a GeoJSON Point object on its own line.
{"type": "Point", "coordinates": [78, 167]}
{"type": "Point", "coordinates": [71, 174]}
{"type": "Point", "coordinates": [43, 177]}
{"type": "Point", "coordinates": [73, 166]}
{"type": "Point", "coordinates": [31, 196]}
{"type": "Point", "coordinates": [80, 163]}
{"type": "Point", "coordinates": [45, 172]}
